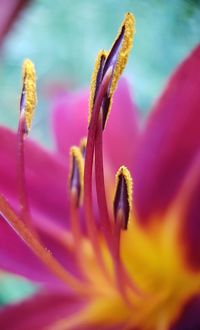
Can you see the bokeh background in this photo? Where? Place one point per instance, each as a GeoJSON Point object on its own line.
{"type": "Point", "coordinates": [63, 37]}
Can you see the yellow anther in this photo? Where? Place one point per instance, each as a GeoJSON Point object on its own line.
{"type": "Point", "coordinates": [76, 172]}
{"type": "Point", "coordinates": [93, 84]}
{"type": "Point", "coordinates": [129, 29]}
{"type": "Point", "coordinates": [29, 89]}
{"type": "Point", "coordinates": [123, 195]}
{"type": "Point", "coordinates": [112, 62]}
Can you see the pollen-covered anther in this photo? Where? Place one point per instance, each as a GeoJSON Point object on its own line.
{"type": "Point", "coordinates": [96, 79]}
{"type": "Point", "coordinates": [28, 99]}
{"type": "Point", "coordinates": [82, 145]}
{"type": "Point", "coordinates": [123, 197]}
{"type": "Point", "coordinates": [116, 60]}
{"type": "Point", "coordinates": [126, 34]}
{"type": "Point", "coordinates": [76, 175]}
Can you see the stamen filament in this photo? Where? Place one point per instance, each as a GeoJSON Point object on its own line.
{"type": "Point", "coordinates": [76, 192]}
{"type": "Point", "coordinates": [100, 184]}
{"type": "Point", "coordinates": [38, 249]}
{"type": "Point", "coordinates": [90, 222]}
{"type": "Point", "coordinates": [122, 210]}
{"type": "Point", "coordinates": [117, 263]}
{"type": "Point", "coordinates": [75, 221]}
{"type": "Point", "coordinates": [123, 279]}
{"type": "Point", "coordinates": [75, 228]}
{"type": "Point", "coordinates": [23, 199]}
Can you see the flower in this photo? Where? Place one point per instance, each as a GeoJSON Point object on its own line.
{"type": "Point", "coordinates": [114, 263]}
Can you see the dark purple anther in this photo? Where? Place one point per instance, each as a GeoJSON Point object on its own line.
{"type": "Point", "coordinates": [114, 52]}
{"type": "Point", "coordinates": [121, 203]}
{"type": "Point", "coordinates": [111, 61]}
{"type": "Point", "coordinates": [99, 75]}
{"type": "Point", "coordinates": [23, 99]}
{"type": "Point", "coordinates": [75, 185]}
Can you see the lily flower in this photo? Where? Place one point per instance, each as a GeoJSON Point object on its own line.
{"type": "Point", "coordinates": [107, 253]}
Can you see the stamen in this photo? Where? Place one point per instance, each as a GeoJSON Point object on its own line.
{"type": "Point", "coordinates": [123, 197]}
{"type": "Point", "coordinates": [82, 146]}
{"type": "Point", "coordinates": [76, 175]}
{"type": "Point", "coordinates": [27, 107]}
{"type": "Point", "coordinates": [119, 52]}
{"type": "Point", "coordinates": [104, 80]}
{"type": "Point", "coordinates": [96, 80]}
{"type": "Point", "coordinates": [23, 200]}
{"type": "Point", "coordinates": [114, 60]}
{"type": "Point", "coordinates": [38, 249]}
{"type": "Point", "coordinates": [122, 211]}
{"type": "Point", "coordinates": [88, 201]}
{"type": "Point", "coordinates": [117, 59]}
{"type": "Point", "coordinates": [28, 99]}
{"type": "Point", "coordinates": [76, 192]}
{"type": "Point", "coordinates": [100, 184]}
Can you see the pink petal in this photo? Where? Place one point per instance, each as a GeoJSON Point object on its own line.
{"type": "Point", "coordinates": [39, 312]}
{"type": "Point", "coordinates": [46, 186]}
{"type": "Point", "coordinates": [46, 178]}
{"type": "Point", "coordinates": [70, 119]}
{"type": "Point", "coordinates": [122, 129]}
{"type": "Point", "coordinates": [70, 122]}
{"type": "Point", "coordinates": [8, 13]}
{"type": "Point", "coordinates": [188, 199]}
{"type": "Point", "coordinates": [170, 142]}
{"type": "Point", "coordinates": [17, 258]}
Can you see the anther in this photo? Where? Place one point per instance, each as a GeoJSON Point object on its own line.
{"type": "Point", "coordinates": [117, 59]}
{"type": "Point", "coordinates": [28, 99]}
{"type": "Point", "coordinates": [82, 145]}
{"type": "Point", "coordinates": [123, 197]}
{"type": "Point", "coordinates": [96, 79]}
{"type": "Point", "coordinates": [76, 175]}
{"type": "Point", "coordinates": [114, 60]}
{"type": "Point", "coordinates": [27, 107]}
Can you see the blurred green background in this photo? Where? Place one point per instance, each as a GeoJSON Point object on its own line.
{"type": "Point", "coordinates": [63, 38]}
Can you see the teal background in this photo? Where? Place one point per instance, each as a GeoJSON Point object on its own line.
{"type": "Point", "coordinates": [63, 38]}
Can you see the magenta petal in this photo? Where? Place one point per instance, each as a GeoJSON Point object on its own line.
{"type": "Point", "coordinates": [39, 312]}
{"type": "Point", "coordinates": [8, 13]}
{"type": "Point", "coordinates": [189, 198]}
{"type": "Point", "coordinates": [46, 186]}
{"type": "Point", "coordinates": [122, 129]}
{"type": "Point", "coordinates": [170, 142]}
{"type": "Point", "coordinates": [190, 316]}
{"type": "Point", "coordinates": [17, 258]}
{"type": "Point", "coordinates": [191, 228]}
{"type": "Point", "coordinates": [46, 178]}
{"type": "Point", "coordinates": [70, 119]}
